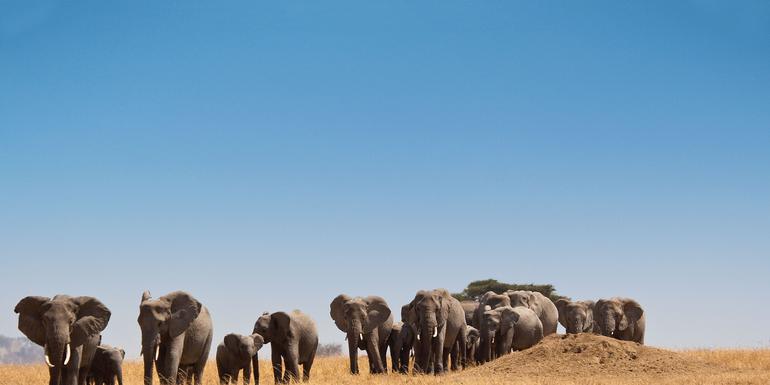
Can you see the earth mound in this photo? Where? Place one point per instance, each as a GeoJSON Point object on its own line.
{"type": "Point", "coordinates": [589, 355]}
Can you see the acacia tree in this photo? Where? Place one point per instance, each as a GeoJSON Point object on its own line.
{"type": "Point", "coordinates": [477, 288]}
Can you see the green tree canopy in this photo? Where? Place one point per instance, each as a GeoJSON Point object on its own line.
{"type": "Point", "coordinates": [476, 288]}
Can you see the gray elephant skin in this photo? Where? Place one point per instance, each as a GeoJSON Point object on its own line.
{"type": "Point", "coordinates": [576, 317]}
{"type": "Point", "coordinates": [366, 319]}
{"type": "Point", "coordinates": [511, 328]}
{"type": "Point", "coordinates": [68, 329]}
{"type": "Point", "coordinates": [621, 318]}
{"type": "Point", "coordinates": [470, 308]}
{"type": "Point", "coordinates": [488, 301]}
{"type": "Point", "coordinates": [540, 304]}
{"type": "Point", "coordinates": [176, 337]}
{"type": "Point", "coordinates": [293, 340]}
{"type": "Point", "coordinates": [402, 339]}
{"type": "Point", "coordinates": [439, 322]}
{"type": "Point", "coordinates": [238, 353]}
{"type": "Point", "coordinates": [107, 366]}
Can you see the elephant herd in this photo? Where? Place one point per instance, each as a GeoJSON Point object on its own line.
{"type": "Point", "coordinates": [435, 329]}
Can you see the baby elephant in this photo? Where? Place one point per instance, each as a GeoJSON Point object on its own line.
{"type": "Point", "coordinates": [106, 366]}
{"type": "Point", "coordinates": [238, 353]}
{"type": "Point", "coordinates": [472, 336]}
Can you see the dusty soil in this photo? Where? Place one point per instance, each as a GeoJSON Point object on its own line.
{"type": "Point", "coordinates": [586, 355]}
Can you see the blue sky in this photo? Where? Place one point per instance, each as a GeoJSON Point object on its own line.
{"type": "Point", "coordinates": [272, 156]}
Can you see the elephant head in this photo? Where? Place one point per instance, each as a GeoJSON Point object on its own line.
{"type": "Point", "coordinates": [273, 327]}
{"type": "Point", "coordinates": [490, 300]}
{"type": "Point", "coordinates": [576, 317]}
{"type": "Point", "coordinates": [164, 318]}
{"type": "Point", "coordinates": [61, 324]}
{"type": "Point", "coordinates": [358, 316]}
{"type": "Point", "coordinates": [243, 347]}
{"type": "Point", "coordinates": [613, 315]}
{"type": "Point", "coordinates": [498, 326]}
{"type": "Point", "coordinates": [472, 336]}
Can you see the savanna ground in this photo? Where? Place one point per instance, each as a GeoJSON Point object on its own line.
{"type": "Point", "coordinates": [559, 360]}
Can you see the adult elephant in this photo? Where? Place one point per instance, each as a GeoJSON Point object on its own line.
{"type": "Point", "coordinates": [68, 330]}
{"type": "Point", "coordinates": [576, 317]}
{"type": "Point", "coordinates": [439, 321]}
{"type": "Point", "coordinates": [621, 318]}
{"type": "Point", "coordinates": [512, 328]}
{"type": "Point", "coordinates": [366, 319]}
{"type": "Point", "coordinates": [293, 340]}
{"type": "Point", "coordinates": [540, 304]}
{"type": "Point", "coordinates": [176, 336]}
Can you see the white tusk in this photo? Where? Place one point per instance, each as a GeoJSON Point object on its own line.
{"type": "Point", "coordinates": [47, 360]}
{"type": "Point", "coordinates": [435, 331]}
{"type": "Point", "coordinates": [418, 336]}
{"type": "Point", "coordinates": [361, 336]}
{"type": "Point", "coordinates": [157, 352]}
{"type": "Point", "coordinates": [67, 355]}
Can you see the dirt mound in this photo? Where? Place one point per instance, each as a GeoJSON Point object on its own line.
{"type": "Point", "coordinates": [587, 355]}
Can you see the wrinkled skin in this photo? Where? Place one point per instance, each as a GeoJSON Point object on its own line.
{"type": "Point", "coordinates": [472, 337]}
{"type": "Point", "coordinates": [400, 345]}
{"type": "Point", "coordinates": [107, 366]}
{"type": "Point", "coordinates": [510, 328]}
{"type": "Point", "coordinates": [64, 324]}
{"type": "Point", "coordinates": [293, 340]}
{"type": "Point", "coordinates": [540, 304]}
{"type": "Point", "coordinates": [238, 353]}
{"type": "Point", "coordinates": [176, 337]}
{"type": "Point", "coordinates": [367, 321]}
{"type": "Point", "coordinates": [621, 318]}
{"type": "Point", "coordinates": [439, 322]}
{"type": "Point", "coordinates": [576, 317]}
{"type": "Point", "coordinates": [488, 301]}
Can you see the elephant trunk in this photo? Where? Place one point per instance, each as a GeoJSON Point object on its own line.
{"type": "Point", "coordinates": [355, 338]}
{"type": "Point", "coordinates": [608, 325]}
{"type": "Point", "coordinates": [57, 354]}
{"type": "Point", "coordinates": [148, 354]}
{"type": "Point", "coordinates": [426, 346]}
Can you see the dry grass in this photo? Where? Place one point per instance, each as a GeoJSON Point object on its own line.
{"type": "Point", "coordinates": [745, 367]}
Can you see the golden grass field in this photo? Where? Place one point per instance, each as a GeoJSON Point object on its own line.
{"type": "Point", "coordinates": [746, 367]}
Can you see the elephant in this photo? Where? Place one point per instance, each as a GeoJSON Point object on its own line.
{"type": "Point", "coordinates": [366, 319]}
{"type": "Point", "coordinates": [68, 329]}
{"type": "Point", "coordinates": [472, 336]}
{"type": "Point", "coordinates": [512, 328]}
{"type": "Point", "coordinates": [238, 353]}
{"type": "Point", "coordinates": [439, 322]}
{"type": "Point", "coordinates": [293, 338]}
{"type": "Point", "coordinates": [106, 366]}
{"type": "Point", "coordinates": [621, 318]}
{"type": "Point", "coordinates": [540, 304]}
{"type": "Point", "coordinates": [576, 317]}
{"type": "Point", "coordinates": [176, 337]}
{"type": "Point", "coordinates": [400, 345]}
{"type": "Point", "coordinates": [470, 308]}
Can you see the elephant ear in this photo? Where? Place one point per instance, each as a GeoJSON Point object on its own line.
{"type": "Point", "coordinates": [632, 310]}
{"type": "Point", "coordinates": [29, 309]}
{"type": "Point", "coordinates": [184, 310]}
{"type": "Point", "coordinates": [377, 312]}
{"type": "Point", "coordinates": [597, 310]}
{"type": "Point", "coordinates": [411, 312]}
{"type": "Point", "coordinates": [122, 354]}
{"type": "Point", "coordinates": [280, 323]}
{"type": "Point", "coordinates": [590, 323]}
{"type": "Point", "coordinates": [337, 311]}
{"type": "Point", "coordinates": [561, 306]}
{"type": "Point", "coordinates": [233, 343]}
{"type": "Point", "coordinates": [92, 319]}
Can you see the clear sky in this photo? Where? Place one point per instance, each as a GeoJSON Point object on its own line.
{"type": "Point", "coordinates": [269, 156]}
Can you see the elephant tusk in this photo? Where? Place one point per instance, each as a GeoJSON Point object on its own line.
{"type": "Point", "coordinates": [157, 352]}
{"type": "Point", "coordinates": [418, 336]}
{"type": "Point", "coordinates": [435, 331]}
{"type": "Point", "coordinates": [67, 355]}
{"type": "Point", "coordinates": [47, 360]}
{"type": "Point", "coordinates": [361, 336]}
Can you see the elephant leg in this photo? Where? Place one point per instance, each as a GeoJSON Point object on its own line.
{"type": "Point", "coordinates": [438, 355]}
{"type": "Point", "coordinates": [276, 357]}
{"type": "Point", "coordinates": [307, 366]}
{"type": "Point", "coordinates": [291, 360]}
{"type": "Point", "coordinates": [384, 356]}
{"type": "Point", "coordinates": [173, 354]}
{"type": "Point", "coordinates": [374, 352]}
{"type": "Point", "coordinates": [454, 354]}
{"type": "Point", "coordinates": [247, 374]}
